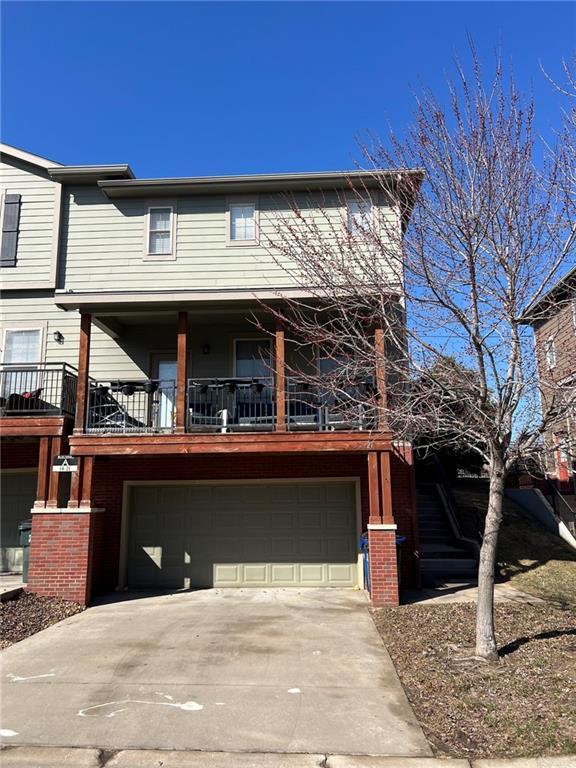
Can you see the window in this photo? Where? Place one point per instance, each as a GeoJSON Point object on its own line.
{"type": "Point", "coordinates": [242, 223]}
{"type": "Point", "coordinates": [253, 358]}
{"type": "Point", "coordinates": [22, 348]}
{"type": "Point", "coordinates": [160, 231]}
{"type": "Point", "coordinates": [550, 352]}
{"type": "Point", "coordinates": [360, 216]}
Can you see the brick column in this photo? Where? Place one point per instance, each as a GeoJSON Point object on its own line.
{"type": "Point", "coordinates": [382, 532]}
{"type": "Point", "coordinates": [61, 553]}
{"type": "Point", "coordinates": [383, 565]}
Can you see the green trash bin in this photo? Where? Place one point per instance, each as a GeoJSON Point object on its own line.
{"type": "Point", "coordinates": [25, 531]}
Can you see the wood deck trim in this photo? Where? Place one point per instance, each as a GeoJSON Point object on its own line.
{"type": "Point", "coordinates": [279, 442]}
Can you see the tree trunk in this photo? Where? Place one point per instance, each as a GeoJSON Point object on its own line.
{"type": "Point", "coordinates": [485, 636]}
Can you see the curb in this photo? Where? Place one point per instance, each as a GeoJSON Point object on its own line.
{"type": "Point", "coordinates": [77, 757]}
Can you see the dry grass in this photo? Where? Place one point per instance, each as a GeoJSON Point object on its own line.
{"type": "Point", "coordinates": [522, 706]}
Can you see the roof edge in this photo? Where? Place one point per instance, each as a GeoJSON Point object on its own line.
{"type": "Point", "coordinates": [89, 174]}
{"type": "Point", "coordinates": [28, 157]}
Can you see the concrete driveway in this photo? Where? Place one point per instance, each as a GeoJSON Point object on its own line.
{"type": "Point", "coordinates": [284, 670]}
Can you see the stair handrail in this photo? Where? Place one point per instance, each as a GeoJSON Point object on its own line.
{"type": "Point", "coordinates": [556, 497]}
{"type": "Point", "coordinates": [449, 504]}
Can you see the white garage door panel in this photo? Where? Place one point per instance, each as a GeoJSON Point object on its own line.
{"type": "Point", "coordinates": [293, 534]}
{"type": "Point", "coordinates": [18, 496]}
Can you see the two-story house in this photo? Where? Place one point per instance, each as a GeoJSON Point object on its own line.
{"type": "Point", "coordinates": [129, 342]}
{"type": "Point", "coordinates": [553, 319]}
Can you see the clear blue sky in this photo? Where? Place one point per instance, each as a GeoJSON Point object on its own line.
{"type": "Point", "coordinates": [182, 89]}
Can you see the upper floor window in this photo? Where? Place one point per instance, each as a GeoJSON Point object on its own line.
{"type": "Point", "coordinates": [550, 352]}
{"type": "Point", "coordinates": [242, 227]}
{"type": "Point", "coordinates": [360, 216]}
{"type": "Point", "coordinates": [10, 217]}
{"type": "Point", "coordinates": [22, 345]}
{"type": "Point", "coordinates": [160, 231]}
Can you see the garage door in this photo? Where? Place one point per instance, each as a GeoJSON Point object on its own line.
{"type": "Point", "coordinates": [18, 493]}
{"type": "Point", "coordinates": [293, 534]}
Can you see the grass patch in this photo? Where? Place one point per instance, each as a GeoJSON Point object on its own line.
{"type": "Point", "coordinates": [529, 557]}
{"type": "Point", "coordinates": [522, 707]}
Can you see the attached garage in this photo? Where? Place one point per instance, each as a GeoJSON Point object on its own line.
{"type": "Point", "coordinates": [18, 493]}
{"type": "Point", "coordinates": [277, 534]}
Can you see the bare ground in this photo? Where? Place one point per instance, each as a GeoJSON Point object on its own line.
{"type": "Point", "coordinates": [29, 613]}
{"type": "Point", "coordinates": [523, 706]}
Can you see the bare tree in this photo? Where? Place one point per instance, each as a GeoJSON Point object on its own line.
{"type": "Point", "coordinates": [446, 258]}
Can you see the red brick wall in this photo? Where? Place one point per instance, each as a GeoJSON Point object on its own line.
{"type": "Point", "coordinates": [404, 508]}
{"type": "Point", "coordinates": [18, 454]}
{"type": "Point", "coordinates": [60, 552]}
{"type": "Point", "coordinates": [110, 473]}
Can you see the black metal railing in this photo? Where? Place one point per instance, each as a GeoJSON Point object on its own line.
{"type": "Point", "coordinates": [231, 405]}
{"type": "Point", "coordinates": [38, 389]}
{"type": "Point", "coordinates": [311, 407]}
{"type": "Point", "coordinates": [143, 406]}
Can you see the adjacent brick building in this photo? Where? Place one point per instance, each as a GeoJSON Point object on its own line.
{"type": "Point", "coordinates": [553, 318]}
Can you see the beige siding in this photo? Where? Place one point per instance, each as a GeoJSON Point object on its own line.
{"type": "Point", "coordinates": [35, 236]}
{"type": "Point", "coordinates": [104, 243]}
{"type": "Point", "coordinates": [131, 355]}
{"type": "Point", "coordinates": [26, 310]}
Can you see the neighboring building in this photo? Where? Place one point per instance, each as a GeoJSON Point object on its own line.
{"type": "Point", "coordinates": [553, 318]}
{"type": "Point", "coordinates": [128, 342]}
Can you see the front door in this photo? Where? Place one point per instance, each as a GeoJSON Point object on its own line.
{"type": "Point", "coordinates": [165, 371]}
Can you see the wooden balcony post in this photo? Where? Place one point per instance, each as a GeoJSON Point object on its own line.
{"type": "Point", "coordinates": [76, 484]}
{"type": "Point", "coordinates": [379, 349]}
{"type": "Point", "coordinates": [55, 478]}
{"type": "Point", "coordinates": [374, 489]}
{"type": "Point", "coordinates": [86, 495]}
{"type": "Point", "coordinates": [181, 372]}
{"type": "Point", "coordinates": [44, 458]}
{"type": "Point", "coordinates": [83, 373]}
{"type": "Point", "coordinates": [280, 368]}
{"type": "Point", "coordinates": [386, 488]}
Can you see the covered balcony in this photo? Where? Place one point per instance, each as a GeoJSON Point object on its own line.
{"type": "Point", "coordinates": [214, 376]}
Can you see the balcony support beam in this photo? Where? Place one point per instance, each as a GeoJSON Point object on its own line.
{"type": "Point", "coordinates": [44, 457]}
{"type": "Point", "coordinates": [181, 372]}
{"type": "Point", "coordinates": [374, 489]}
{"type": "Point", "coordinates": [280, 370]}
{"type": "Point", "coordinates": [55, 478]}
{"type": "Point", "coordinates": [380, 351]}
{"type": "Point", "coordinates": [386, 489]}
{"type": "Point", "coordinates": [83, 374]}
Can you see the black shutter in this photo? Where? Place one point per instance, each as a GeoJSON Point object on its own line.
{"type": "Point", "coordinates": [10, 230]}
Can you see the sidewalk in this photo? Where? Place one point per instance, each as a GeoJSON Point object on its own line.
{"type": "Point", "coordinates": [64, 757]}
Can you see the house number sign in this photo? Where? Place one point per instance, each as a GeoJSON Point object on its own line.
{"type": "Point", "coordinates": [65, 464]}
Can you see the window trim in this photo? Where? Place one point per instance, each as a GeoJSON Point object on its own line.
{"type": "Point", "coordinates": [238, 201]}
{"type": "Point", "coordinates": [41, 327]}
{"type": "Point", "coordinates": [346, 216]}
{"type": "Point", "coordinates": [235, 341]}
{"type": "Point", "coordinates": [150, 206]}
{"type": "Point", "coordinates": [550, 353]}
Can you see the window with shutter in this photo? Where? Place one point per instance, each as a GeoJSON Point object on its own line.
{"type": "Point", "coordinates": [10, 219]}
